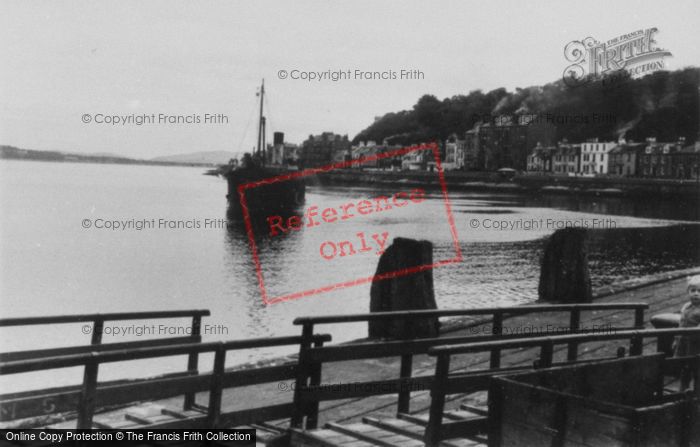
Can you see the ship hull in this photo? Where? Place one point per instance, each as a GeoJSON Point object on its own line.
{"type": "Point", "coordinates": [266, 199]}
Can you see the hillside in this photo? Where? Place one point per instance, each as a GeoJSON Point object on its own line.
{"type": "Point", "coordinates": [662, 105]}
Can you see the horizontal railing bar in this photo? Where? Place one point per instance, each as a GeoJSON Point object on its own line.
{"type": "Point", "coordinates": [144, 353]}
{"type": "Point", "coordinates": [25, 321]}
{"type": "Point", "coordinates": [267, 374]}
{"type": "Point", "coordinates": [394, 348]}
{"type": "Point", "coordinates": [515, 310]}
{"type": "Point", "coordinates": [273, 341]}
{"type": "Point", "coordinates": [106, 394]}
{"type": "Point", "coordinates": [56, 352]}
{"type": "Point", "coordinates": [558, 339]}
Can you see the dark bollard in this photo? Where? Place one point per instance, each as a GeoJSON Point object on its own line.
{"type": "Point", "coordinates": [404, 292]}
{"type": "Point", "coordinates": [564, 273]}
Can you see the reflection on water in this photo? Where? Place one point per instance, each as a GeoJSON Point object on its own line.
{"type": "Point", "coordinates": [628, 253]}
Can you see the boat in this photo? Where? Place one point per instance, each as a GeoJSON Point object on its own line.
{"type": "Point", "coordinates": [269, 189]}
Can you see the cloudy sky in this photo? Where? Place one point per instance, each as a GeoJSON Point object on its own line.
{"type": "Point", "coordinates": [60, 60]}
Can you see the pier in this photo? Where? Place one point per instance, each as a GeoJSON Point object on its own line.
{"type": "Point", "coordinates": [359, 393]}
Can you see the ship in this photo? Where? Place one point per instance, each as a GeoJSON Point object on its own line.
{"type": "Point", "coordinates": [271, 189]}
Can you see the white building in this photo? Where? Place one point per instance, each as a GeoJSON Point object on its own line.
{"type": "Point", "coordinates": [594, 156]}
{"type": "Point", "coordinates": [454, 153]}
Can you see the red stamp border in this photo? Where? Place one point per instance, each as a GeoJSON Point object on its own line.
{"type": "Point", "coordinates": [344, 164]}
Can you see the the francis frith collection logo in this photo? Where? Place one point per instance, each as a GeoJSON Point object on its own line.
{"type": "Point", "coordinates": [633, 55]}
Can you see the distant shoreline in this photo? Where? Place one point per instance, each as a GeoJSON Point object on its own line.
{"type": "Point", "coordinates": [13, 153]}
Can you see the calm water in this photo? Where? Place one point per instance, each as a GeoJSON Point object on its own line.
{"type": "Point", "coordinates": [50, 264]}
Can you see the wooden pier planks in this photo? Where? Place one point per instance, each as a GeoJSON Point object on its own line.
{"type": "Point", "coordinates": [404, 430]}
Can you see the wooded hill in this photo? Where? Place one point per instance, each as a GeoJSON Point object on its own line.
{"type": "Point", "coordinates": [662, 105]}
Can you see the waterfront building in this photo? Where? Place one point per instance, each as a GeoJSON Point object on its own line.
{"type": "Point", "coordinates": [540, 159]}
{"type": "Point", "coordinates": [623, 159]}
{"type": "Point", "coordinates": [415, 161]}
{"type": "Point", "coordinates": [506, 142]}
{"type": "Point", "coordinates": [368, 149]}
{"type": "Point", "coordinates": [594, 156]}
{"type": "Point", "coordinates": [669, 160]}
{"type": "Point", "coordinates": [566, 159]}
{"type": "Point", "coordinates": [319, 150]}
{"type": "Point", "coordinates": [471, 149]}
{"type": "Point", "coordinates": [341, 156]}
{"type": "Point", "coordinates": [688, 164]}
{"type": "Point", "coordinates": [454, 153]}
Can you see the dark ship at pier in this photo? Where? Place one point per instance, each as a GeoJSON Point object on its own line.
{"type": "Point", "coordinates": [269, 188]}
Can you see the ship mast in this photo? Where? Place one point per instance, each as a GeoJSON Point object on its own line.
{"type": "Point", "coordinates": [261, 127]}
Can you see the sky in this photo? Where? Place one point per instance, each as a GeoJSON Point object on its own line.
{"type": "Point", "coordinates": [63, 63]}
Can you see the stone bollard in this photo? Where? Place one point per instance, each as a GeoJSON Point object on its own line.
{"type": "Point", "coordinates": [564, 273]}
{"type": "Point", "coordinates": [406, 292]}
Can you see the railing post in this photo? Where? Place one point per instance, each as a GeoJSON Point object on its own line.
{"type": "Point", "coordinates": [574, 326]}
{"type": "Point", "coordinates": [86, 405]}
{"type": "Point", "coordinates": [302, 375]}
{"type": "Point", "coordinates": [546, 354]}
{"type": "Point", "coordinates": [664, 343]}
{"type": "Point", "coordinates": [639, 318]}
{"type": "Point", "coordinates": [97, 330]}
{"type": "Point", "coordinates": [315, 380]}
{"type": "Point", "coordinates": [497, 330]}
{"type": "Point", "coordinates": [636, 346]}
{"type": "Point", "coordinates": [404, 388]}
{"type": "Point", "coordinates": [216, 388]}
{"type": "Point", "coordinates": [437, 400]}
{"type": "Point", "coordinates": [193, 359]}
{"type": "Point", "coordinates": [496, 403]}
